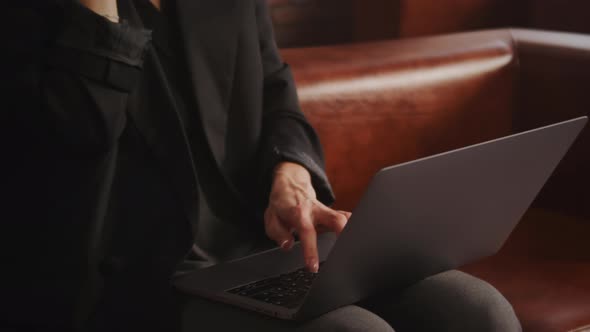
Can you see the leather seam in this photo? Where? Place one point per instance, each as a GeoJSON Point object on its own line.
{"type": "Point", "coordinates": [516, 47]}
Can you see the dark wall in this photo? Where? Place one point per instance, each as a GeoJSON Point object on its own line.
{"type": "Point", "coordinates": [560, 15]}
{"type": "Point", "coordinates": [312, 22]}
{"type": "Point", "coordinates": [428, 17]}
{"type": "Point", "coordinates": [320, 22]}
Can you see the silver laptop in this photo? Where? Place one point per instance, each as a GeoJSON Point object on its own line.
{"type": "Point", "coordinates": [415, 220]}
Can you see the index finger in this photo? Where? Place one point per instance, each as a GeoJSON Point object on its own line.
{"type": "Point", "coordinates": [308, 238]}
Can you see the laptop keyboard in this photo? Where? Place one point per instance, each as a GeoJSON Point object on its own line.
{"type": "Point", "coordinates": [286, 290]}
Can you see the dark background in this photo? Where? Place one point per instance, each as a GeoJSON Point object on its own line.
{"type": "Point", "coordinates": [319, 22]}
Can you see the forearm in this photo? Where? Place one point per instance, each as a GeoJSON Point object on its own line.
{"type": "Point", "coordinates": [287, 135]}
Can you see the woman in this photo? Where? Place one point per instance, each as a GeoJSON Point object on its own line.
{"type": "Point", "coordinates": [158, 136]}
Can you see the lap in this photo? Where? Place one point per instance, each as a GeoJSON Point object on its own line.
{"type": "Point", "coordinates": [450, 301]}
{"type": "Point", "coordinates": [203, 315]}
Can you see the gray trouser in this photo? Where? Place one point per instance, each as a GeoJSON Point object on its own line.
{"type": "Point", "coordinates": [450, 301]}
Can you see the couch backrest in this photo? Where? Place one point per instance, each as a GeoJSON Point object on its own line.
{"type": "Point", "coordinates": [379, 104]}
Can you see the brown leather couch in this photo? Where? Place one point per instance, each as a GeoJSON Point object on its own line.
{"type": "Point", "coordinates": [378, 104]}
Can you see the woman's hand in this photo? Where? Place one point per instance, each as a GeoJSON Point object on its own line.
{"type": "Point", "coordinates": [106, 8]}
{"type": "Point", "coordinates": [293, 208]}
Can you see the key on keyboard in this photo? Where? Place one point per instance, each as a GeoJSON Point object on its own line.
{"type": "Point", "coordinates": [287, 290]}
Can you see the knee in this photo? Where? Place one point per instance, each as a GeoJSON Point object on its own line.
{"type": "Point", "coordinates": [495, 312]}
{"type": "Point", "coordinates": [484, 308]}
{"type": "Point", "coordinates": [349, 319]}
{"type": "Point", "coordinates": [453, 301]}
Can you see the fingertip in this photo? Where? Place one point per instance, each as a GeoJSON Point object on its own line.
{"type": "Point", "coordinates": [315, 268]}
{"type": "Point", "coordinates": [312, 265]}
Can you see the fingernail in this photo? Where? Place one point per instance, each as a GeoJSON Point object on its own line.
{"type": "Point", "coordinates": [286, 245]}
{"type": "Point", "coordinates": [312, 264]}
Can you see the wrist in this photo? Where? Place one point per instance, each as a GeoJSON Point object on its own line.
{"type": "Point", "coordinates": [294, 171]}
{"type": "Point", "coordinates": [292, 177]}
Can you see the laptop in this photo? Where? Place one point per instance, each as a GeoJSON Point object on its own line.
{"type": "Point", "coordinates": [415, 220]}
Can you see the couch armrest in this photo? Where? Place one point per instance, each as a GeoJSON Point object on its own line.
{"type": "Point", "coordinates": [554, 85]}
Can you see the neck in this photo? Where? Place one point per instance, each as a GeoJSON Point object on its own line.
{"type": "Point", "coordinates": [157, 4]}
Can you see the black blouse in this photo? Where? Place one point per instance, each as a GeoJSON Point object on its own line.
{"type": "Point", "coordinates": [216, 236]}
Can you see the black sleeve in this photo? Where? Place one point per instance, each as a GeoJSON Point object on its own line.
{"type": "Point", "coordinates": [72, 88]}
{"type": "Point", "coordinates": [287, 135]}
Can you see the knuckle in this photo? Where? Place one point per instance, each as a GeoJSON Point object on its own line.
{"type": "Point", "coordinates": [269, 234]}
{"type": "Point", "coordinates": [306, 227]}
{"type": "Point", "coordinates": [269, 231]}
{"type": "Point", "coordinates": [330, 217]}
{"type": "Point", "coordinates": [294, 212]}
{"type": "Point", "coordinates": [268, 223]}
{"type": "Point", "coordinates": [334, 221]}
{"type": "Point", "coordinates": [336, 218]}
